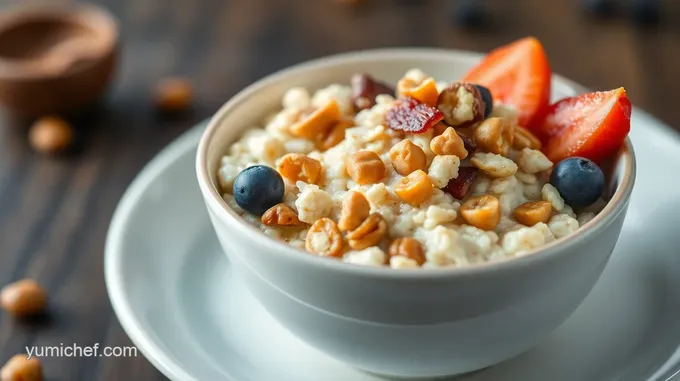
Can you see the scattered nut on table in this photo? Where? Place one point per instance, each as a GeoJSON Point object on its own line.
{"type": "Point", "coordinates": [173, 94]}
{"type": "Point", "coordinates": [18, 368]}
{"type": "Point", "coordinates": [23, 298]}
{"type": "Point", "coordinates": [51, 135]}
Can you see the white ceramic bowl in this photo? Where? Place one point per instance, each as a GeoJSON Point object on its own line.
{"type": "Point", "coordinates": [408, 323]}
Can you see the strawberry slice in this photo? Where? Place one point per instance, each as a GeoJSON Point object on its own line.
{"type": "Point", "coordinates": [517, 74]}
{"type": "Point", "coordinates": [592, 125]}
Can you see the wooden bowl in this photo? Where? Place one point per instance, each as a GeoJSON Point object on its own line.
{"type": "Point", "coordinates": [55, 59]}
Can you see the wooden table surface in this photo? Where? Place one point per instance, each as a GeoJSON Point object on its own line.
{"type": "Point", "coordinates": [54, 213]}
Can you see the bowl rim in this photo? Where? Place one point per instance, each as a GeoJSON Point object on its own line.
{"type": "Point", "coordinates": [216, 203]}
{"type": "Point", "coordinates": [102, 21]}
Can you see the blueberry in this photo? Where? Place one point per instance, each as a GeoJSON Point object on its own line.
{"type": "Point", "coordinates": [579, 181]}
{"type": "Point", "coordinates": [488, 100]}
{"type": "Point", "coordinates": [258, 188]}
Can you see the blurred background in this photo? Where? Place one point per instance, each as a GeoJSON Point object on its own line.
{"type": "Point", "coordinates": [55, 209]}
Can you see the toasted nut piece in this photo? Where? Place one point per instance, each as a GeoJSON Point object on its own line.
{"type": "Point", "coordinates": [365, 167]}
{"type": "Point", "coordinates": [407, 157]}
{"type": "Point", "coordinates": [483, 212]}
{"type": "Point", "coordinates": [50, 135]}
{"type": "Point", "coordinates": [355, 209]}
{"type": "Point", "coordinates": [525, 139]}
{"type": "Point", "coordinates": [449, 143]}
{"type": "Point", "coordinates": [18, 368]}
{"type": "Point", "coordinates": [335, 135]}
{"type": "Point", "coordinates": [424, 92]}
{"type": "Point", "coordinates": [280, 215]}
{"type": "Point", "coordinates": [495, 135]}
{"type": "Point", "coordinates": [533, 212]}
{"type": "Point", "coordinates": [407, 247]}
{"type": "Point", "coordinates": [23, 298]}
{"type": "Point", "coordinates": [300, 167]}
{"type": "Point", "coordinates": [324, 238]}
{"type": "Point", "coordinates": [369, 233]}
{"type": "Point", "coordinates": [462, 104]}
{"type": "Point", "coordinates": [316, 125]}
{"type": "Point", "coordinates": [415, 188]}
{"type": "Point", "coordinates": [173, 94]}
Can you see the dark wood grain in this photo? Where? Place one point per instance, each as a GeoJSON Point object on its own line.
{"type": "Point", "coordinates": [54, 213]}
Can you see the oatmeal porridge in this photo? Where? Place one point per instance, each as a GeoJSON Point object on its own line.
{"type": "Point", "coordinates": [425, 174]}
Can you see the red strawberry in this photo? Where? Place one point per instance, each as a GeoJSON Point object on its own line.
{"type": "Point", "coordinates": [517, 74]}
{"type": "Point", "coordinates": [592, 125]}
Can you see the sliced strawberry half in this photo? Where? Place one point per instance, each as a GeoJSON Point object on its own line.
{"type": "Point", "coordinates": [592, 125]}
{"type": "Point", "coordinates": [517, 74]}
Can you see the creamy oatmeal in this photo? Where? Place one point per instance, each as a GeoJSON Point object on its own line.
{"type": "Point", "coordinates": [439, 177]}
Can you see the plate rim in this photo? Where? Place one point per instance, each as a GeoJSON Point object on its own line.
{"type": "Point", "coordinates": [113, 274]}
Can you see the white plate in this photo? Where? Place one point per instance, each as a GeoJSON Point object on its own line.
{"type": "Point", "coordinates": [172, 289]}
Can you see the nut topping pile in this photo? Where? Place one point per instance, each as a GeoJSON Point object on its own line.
{"type": "Point", "coordinates": [419, 174]}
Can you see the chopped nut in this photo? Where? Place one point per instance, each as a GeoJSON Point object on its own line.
{"type": "Point", "coordinates": [365, 89]}
{"type": "Point", "coordinates": [365, 167]}
{"type": "Point", "coordinates": [299, 167]}
{"type": "Point", "coordinates": [533, 212]}
{"type": "Point", "coordinates": [415, 188]}
{"type": "Point", "coordinates": [495, 135]}
{"type": "Point", "coordinates": [355, 209]}
{"type": "Point", "coordinates": [369, 233]}
{"type": "Point", "coordinates": [324, 238]}
{"type": "Point", "coordinates": [461, 104]}
{"type": "Point", "coordinates": [173, 94]}
{"type": "Point", "coordinates": [525, 139]}
{"type": "Point", "coordinates": [494, 165]}
{"type": "Point", "coordinates": [50, 135]}
{"type": "Point", "coordinates": [407, 247]}
{"type": "Point", "coordinates": [449, 143]}
{"type": "Point", "coordinates": [280, 215]}
{"type": "Point", "coordinates": [407, 157]}
{"type": "Point", "coordinates": [19, 368]}
{"type": "Point", "coordinates": [335, 135]}
{"type": "Point", "coordinates": [23, 298]}
{"type": "Point", "coordinates": [483, 212]}
{"type": "Point", "coordinates": [425, 91]}
{"type": "Point", "coordinates": [317, 125]}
